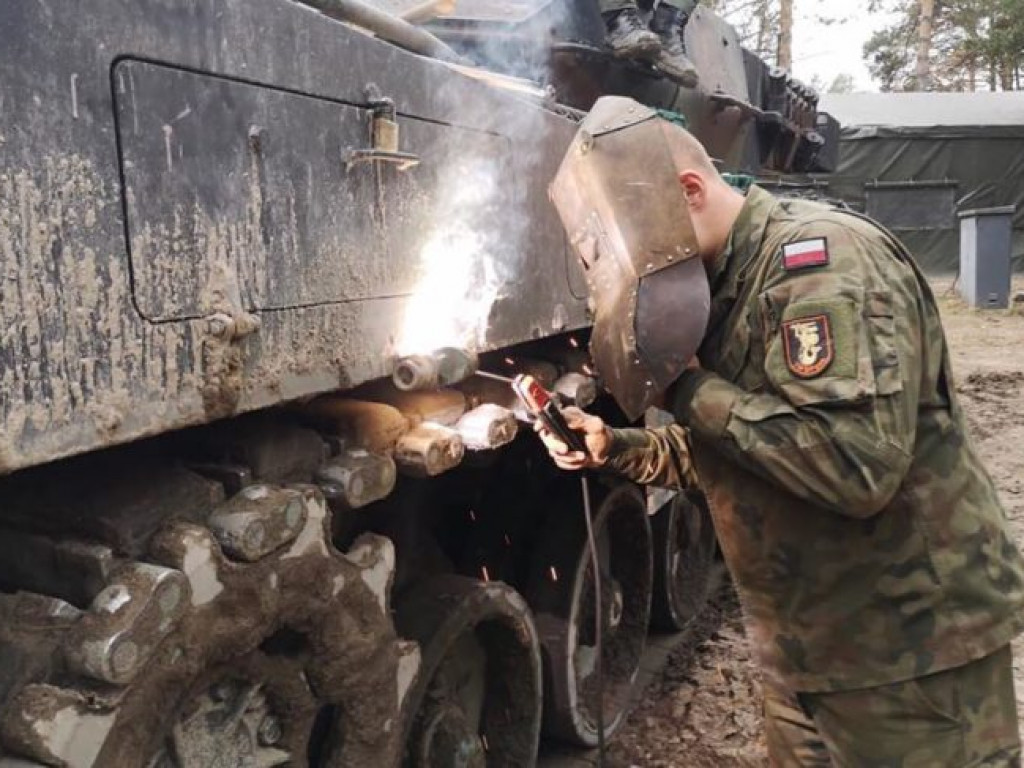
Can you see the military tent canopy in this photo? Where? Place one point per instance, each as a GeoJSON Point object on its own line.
{"type": "Point", "coordinates": [914, 160]}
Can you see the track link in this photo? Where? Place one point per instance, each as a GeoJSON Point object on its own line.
{"type": "Point", "coordinates": [253, 619]}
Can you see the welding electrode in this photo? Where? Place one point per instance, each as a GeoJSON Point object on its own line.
{"type": "Point", "coordinates": [493, 376]}
{"type": "Point", "coordinates": [441, 368]}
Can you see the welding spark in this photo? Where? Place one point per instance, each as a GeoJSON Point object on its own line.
{"type": "Point", "coordinates": [472, 515]}
{"type": "Point", "coordinates": [509, 361]}
{"type": "Point", "coordinates": [588, 370]}
{"type": "Point", "coordinates": [484, 573]}
{"type": "Point", "coordinates": [508, 541]}
{"type": "Point", "coordinates": [573, 343]}
{"type": "Point", "coordinates": [553, 573]}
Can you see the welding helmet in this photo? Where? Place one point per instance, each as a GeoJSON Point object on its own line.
{"type": "Point", "coordinates": [619, 197]}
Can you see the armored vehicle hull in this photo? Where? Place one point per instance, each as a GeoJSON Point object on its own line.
{"type": "Point", "coordinates": [226, 537]}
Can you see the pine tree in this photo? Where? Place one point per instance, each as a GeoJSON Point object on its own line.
{"type": "Point", "coordinates": [785, 57]}
{"type": "Point", "coordinates": [923, 70]}
{"type": "Point", "coordinates": [756, 22]}
{"type": "Point", "coordinates": [962, 45]}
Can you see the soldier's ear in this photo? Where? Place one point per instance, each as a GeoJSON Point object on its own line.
{"type": "Point", "coordinates": [694, 188]}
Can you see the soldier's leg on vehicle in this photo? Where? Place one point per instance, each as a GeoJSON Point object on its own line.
{"type": "Point", "coordinates": [669, 22]}
{"type": "Point", "coordinates": [792, 737]}
{"type": "Point", "coordinates": [966, 716]}
{"type": "Point", "coordinates": [625, 32]}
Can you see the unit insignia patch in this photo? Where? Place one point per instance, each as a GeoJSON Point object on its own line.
{"type": "Point", "coordinates": [809, 345]}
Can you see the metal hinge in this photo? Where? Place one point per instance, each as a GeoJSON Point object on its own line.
{"type": "Point", "coordinates": [384, 133]}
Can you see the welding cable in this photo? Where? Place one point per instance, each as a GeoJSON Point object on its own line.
{"type": "Point", "coordinates": [596, 565]}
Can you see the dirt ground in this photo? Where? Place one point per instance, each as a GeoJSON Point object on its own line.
{"type": "Point", "coordinates": [704, 709]}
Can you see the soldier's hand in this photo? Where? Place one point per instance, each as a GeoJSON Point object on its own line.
{"type": "Point", "coordinates": [596, 435]}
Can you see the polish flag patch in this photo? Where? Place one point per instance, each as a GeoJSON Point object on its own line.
{"type": "Point", "coordinates": [805, 253]}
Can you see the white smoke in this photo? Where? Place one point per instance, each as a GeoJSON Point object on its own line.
{"type": "Point", "coordinates": [473, 254]}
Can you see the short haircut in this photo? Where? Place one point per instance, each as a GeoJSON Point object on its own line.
{"type": "Point", "coordinates": [687, 152]}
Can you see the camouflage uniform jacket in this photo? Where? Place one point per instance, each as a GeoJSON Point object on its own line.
{"type": "Point", "coordinates": [864, 535]}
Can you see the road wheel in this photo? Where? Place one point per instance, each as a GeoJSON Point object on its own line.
{"type": "Point", "coordinates": [477, 698]}
{"type": "Point", "coordinates": [684, 559]}
{"type": "Point", "coordinates": [562, 596]}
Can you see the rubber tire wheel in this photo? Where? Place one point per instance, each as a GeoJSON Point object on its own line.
{"type": "Point", "coordinates": [682, 526]}
{"type": "Point", "coordinates": [436, 614]}
{"type": "Point", "coordinates": [562, 546]}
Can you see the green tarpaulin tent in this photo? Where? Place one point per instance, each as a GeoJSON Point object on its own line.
{"type": "Point", "coordinates": [913, 160]}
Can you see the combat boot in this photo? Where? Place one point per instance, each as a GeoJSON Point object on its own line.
{"type": "Point", "coordinates": [670, 25]}
{"type": "Point", "coordinates": [628, 36]}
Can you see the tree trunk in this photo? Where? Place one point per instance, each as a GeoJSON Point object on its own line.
{"type": "Point", "coordinates": [1006, 74]}
{"type": "Point", "coordinates": [923, 70]}
{"type": "Point", "coordinates": [785, 58]}
{"type": "Point", "coordinates": [764, 28]}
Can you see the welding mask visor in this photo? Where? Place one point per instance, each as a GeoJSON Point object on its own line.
{"type": "Point", "coordinates": [621, 203]}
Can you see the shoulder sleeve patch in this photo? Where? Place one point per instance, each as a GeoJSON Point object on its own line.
{"type": "Point", "coordinates": [805, 253]}
{"type": "Point", "coordinates": [808, 345]}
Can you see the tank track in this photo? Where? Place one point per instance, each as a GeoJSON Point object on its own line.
{"type": "Point", "coordinates": [222, 596]}
{"type": "Point", "coordinates": [234, 634]}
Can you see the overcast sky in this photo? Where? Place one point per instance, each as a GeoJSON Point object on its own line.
{"type": "Point", "coordinates": [830, 50]}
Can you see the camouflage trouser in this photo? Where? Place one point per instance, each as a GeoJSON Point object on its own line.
{"type": "Point", "coordinates": [966, 716]}
{"type": "Point", "coordinates": [686, 6]}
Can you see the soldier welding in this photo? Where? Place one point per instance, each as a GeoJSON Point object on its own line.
{"type": "Point", "coordinates": [865, 538]}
